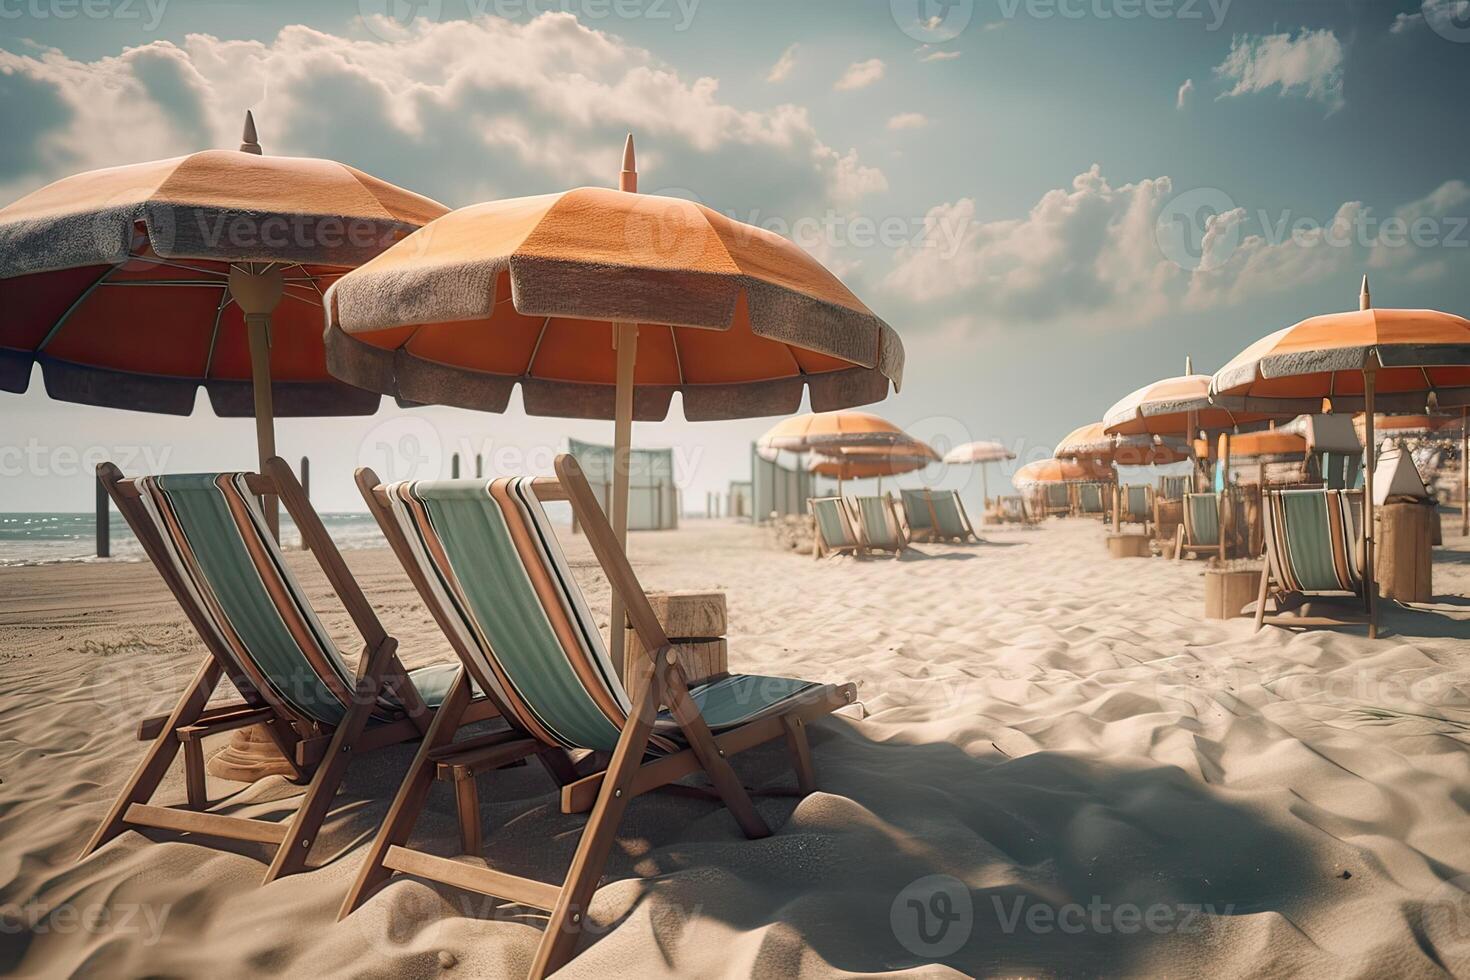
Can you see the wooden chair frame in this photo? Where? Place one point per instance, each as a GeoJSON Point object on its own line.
{"type": "Point", "coordinates": [820, 548]}
{"type": "Point", "coordinates": [318, 755]}
{"type": "Point", "coordinates": [1226, 522]}
{"type": "Point", "coordinates": [1120, 513]}
{"type": "Point", "coordinates": [607, 792]}
{"type": "Point", "coordinates": [932, 532]}
{"type": "Point", "coordinates": [1286, 601]}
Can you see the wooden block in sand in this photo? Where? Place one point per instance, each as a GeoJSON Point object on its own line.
{"type": "Point", "coordinates": [1129, 545]}
{"type": "Point", "coordinates": [695, 623]}
{"type": "Point", "coordinates": [1403, 556]}
{"type": "Point", "coordinates": [1227, 591]}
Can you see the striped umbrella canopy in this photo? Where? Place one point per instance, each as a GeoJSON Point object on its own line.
{"type": "Point", "coordinates": [133, 286]}
{"type": "Point", "coordinates": [824, 430]}
{"type": "Point", "coordinates": [1058, 471]}
{"type": "Point", "coordinates": [862, 462]}
{"type": "Point", "coordinates": [978, 452]}
{"type": "Point", "coordinates": [1165, 408]}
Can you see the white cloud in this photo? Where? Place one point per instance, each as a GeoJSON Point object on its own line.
{"type": "Point", "coordinates": [926, 53]}
{"type": "Point", "coordinates": [908, 120]}
{"type": "Point", "coordinates": [782, 68]}
{"type": "Point", "coordinates": [1098, 253]}
{"type": "Point", "coordinates": [1186, 94]}
{"type": "Point", "coordinates": [1308, 64]}
{"type": "Point", "coordinates": [461, 111]}
{"type": "Point", "coordinates": [860, 74]}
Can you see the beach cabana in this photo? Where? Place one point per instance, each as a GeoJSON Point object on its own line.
{"type": "Point", "coordinates": [134, 286]}
{"type": "Point", "coordinates": [1364, 360]}
{"type": "Point", "coordinates": [603, 304]}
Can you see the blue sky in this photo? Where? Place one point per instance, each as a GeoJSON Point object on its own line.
{"type": "Point", "coordinates": [1073, 194]}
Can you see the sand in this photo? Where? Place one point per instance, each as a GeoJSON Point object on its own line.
{"type": "Point", "coordinates": [1061, 769]}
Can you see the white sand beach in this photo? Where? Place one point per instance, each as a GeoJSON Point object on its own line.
{"type": "Point", "coordinates": [1111, 784]}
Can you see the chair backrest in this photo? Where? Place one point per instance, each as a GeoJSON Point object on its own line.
{"type": "Point", "coordinates": [494, 567]}
{"type": "Point", "coordinates": [949, 510]}
{"type": "Point", "coordinates": [1202, 518]}
{"type": "Point", "coordinates": [1174, 487]}
{"type": "Point", "coordinates": [1136, 502]}
{"type": "Point", "coordinates": [833, 522]}
{"type": "Point", "coordinates": [1090, 498]}
{"type": "Point", "coordinates": [214, 536]}
{"type": "Point", "coordinates": [876, 523]}
{"type": "Point", "coordinates": [917, 508]}
{"type": "Point", "coordinates": [1057, 495]}
{"type": "Point", "coordinates": [1312, 539]}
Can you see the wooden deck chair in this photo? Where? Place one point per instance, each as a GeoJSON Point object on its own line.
{"type": "Point", "coordinates": [950, 520]}
{"type": "Point", "coordinates": [878, 526]}
{"type": "Point", "coordinates": [1175, 487]}
{"type": "Point", "coordinates": [1312, 545]}
{"type": "Point", "coordinates": [1056, 499]}
{"type": "Point", "coordinates": [832, 525]}
{"type": "Point", "coordinates": [1204, 529]}
{"type": "Point", "coordinates": [487, 563]}
{"type": "Point", "coordinates": [1092, 500]}
{"type": "Point", "coordinates": [919, 516]}
{"type": "Point", "coordinates": [206, 535]}
{"type": "Point", "coordinates": [1135, 506]}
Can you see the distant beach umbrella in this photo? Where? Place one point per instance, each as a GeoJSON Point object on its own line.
{"type": "Point", "coordinates": [981, 454]}
{"type": "Point", "coordinates": [1177, 406]}
{"type": "Point", "coordinates": [863, 462]}
{"type": "Point", "coordinates": [819, 430]}
{"type": "Point", "coordinates": [1090, 443]}
{"type": "Point", "coordinates": [1364, 360]}
{"type": "Point", "coordinates": [132, 286]}
{"type": "Point", "coordinates": [602, 304]}
{"type": "Point", "coordinates": [1044, 471]}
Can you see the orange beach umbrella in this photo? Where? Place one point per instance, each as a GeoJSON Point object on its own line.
{"type": "Point", "coordinates": [819, 430]}
{"type": "Point", "coordinates": [1058, 471]}
{"type": "Point", "coordinates": [981, 454]}
{"type": "Point", "coordinates": [132, 286]}
{"type": "Point", "coordinates": [861, 462]}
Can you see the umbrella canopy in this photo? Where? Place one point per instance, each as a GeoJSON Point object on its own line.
{"type": "Point", "coordinates": [1057, 471]}
{"type": "Point", "coordinates": [1165, 408]}
{"type": "Point", "coordinates": [602, 304]}
{"type": "Point", "coordinates": [1091, 443]}
{"type": "Point", "coordinates": [862, 462]}
{"type": "Point", "coordinates": [978, 452]}
{"type": "Point", "coordinates": [132, 286]}
{"type": "Point", "coordinates": [822, 430]}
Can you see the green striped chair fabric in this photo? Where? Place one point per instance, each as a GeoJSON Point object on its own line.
{"type": "Point", "coordinates": [1312, 539]}
{"type": "Point", "coordinates": [916, 509]}
{"type": "Point", "coordinates": [1202, 519]}
{"type": "Point", "coordinates": [494, 565]}
{"type": "Point", "coordinates": [216, 539]}
{"type": "Point", "coordinates": [833, 523]}
{"type": "Point", "coordinates": [1057, 495]}
{"type": "Point", "coordinates": [876, 524]}
{"type": "Point", "coordinates": [1136, 503]}
{"type": "Point", "coordinates": [1175, 487]}
{"type": "Point", "coordinates": [1090, 498]}
{"type": "Point", "coordinates": [950, 511]}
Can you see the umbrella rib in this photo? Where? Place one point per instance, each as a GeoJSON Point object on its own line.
{"type": "Point", "coordinates": [169, 263]}
{"type": "Point", "coordinates": [678, 358]}
{"type": "Point", "coordinates": [224, 301]}
{"type": "Point", "coordinates": [531, 361]}
{"type": "Point", "coordinates": [196, 283]}
{"type": "Point", "coordinates": [61, 320]}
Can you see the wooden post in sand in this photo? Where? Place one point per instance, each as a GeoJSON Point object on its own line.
{"type": "Point", "coordinates": [306, 490]}
{"type": "Point", "coordinates": [104, 518]}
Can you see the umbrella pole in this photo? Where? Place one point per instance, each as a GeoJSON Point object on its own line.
{"type": "Point", "coordinates": [1370, 582]}
{"type": "Point", "coordinates": [984, 493]}
{"type": "Point", "coordinates": [626, 337]}
{"type": "Point", "coordinates": [257, 291]}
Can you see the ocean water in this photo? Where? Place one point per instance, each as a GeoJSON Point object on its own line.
{"type": "Point", "coordinates": [31, 539]}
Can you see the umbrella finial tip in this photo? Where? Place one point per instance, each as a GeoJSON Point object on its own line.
{"type": "Point", "coordinates": [629, 158]}
{"type": "Point", "coordinates": [1365, 299]}
{"type": "Point", "coordinates": [248, 140]}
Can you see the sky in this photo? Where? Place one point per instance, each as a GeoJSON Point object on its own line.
{"type": "Point", "coordinates": [1052, 201]}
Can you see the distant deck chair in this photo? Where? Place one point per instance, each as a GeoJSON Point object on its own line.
{"type": "Point", "coordinates": [487, 562]}
{"type": "Point", "coordinates": [1056, 499]}
{"type": "Point", "coordinates": [833, 531]}
{"type": "Point", "coordinates": [1136, 506]}
{"type": "Point", "coordinates": [1204, 528]}
{"type": "Point", "coordinates": [1312, 545]}
{"type": "Point", "coordinates": [1340, 471]}
{"type": "Point", "coordinates": [878, 526]}
{"type": "Point", "coordinates": [1092, 499]}
{"type": "Point", "coordinates": [936, 515]}
{"type": "Point", "coordinates": [1175, 487]}
{"type": "Point", "coordinates": [206, 535]}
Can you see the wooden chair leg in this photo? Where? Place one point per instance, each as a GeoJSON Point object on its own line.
{"type": "Point", "coordinates": [711, 757]}
{"type": "Point", "coordinates": [467, 802]}
{"type": "Point", "coordinates": [404, 811]}
{"type": "Point", "coordinates": [801, 754]}
{"type": "Point", "coordinates": [1261, 597]}
{"type": "Point", "coordinates": [564, 928]}
{"type": "Point", "coordinates": [160, 755]}
{"type": "Point", "coordinates": [292, 854]}
{"type": "Point", "coordinates": [1179, 543]}
{"type": "Point", "coordinates": [194, 786]}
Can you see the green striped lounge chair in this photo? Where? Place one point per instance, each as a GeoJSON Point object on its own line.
{"type": "Point", "coordinates": [487, 562]}
{"type": "Point", "coordinates": [1091, 499]}
{"type": "Point", "coordinates": [878, 526]}
{"type": "Point", "coordinates": [936, 515]}
{"type": "Point", "coordinates": [1056, 498]}
{"type": "Point", "coordinates": [833, 531]}
{"type": "Point", "coordinates": [207, 537]}
{"type": "Point", "coordinates": [1312, 549]}
{"type": "Point", "coordinates": [1202, 530]}
{"type": "Point", "coordinates": [919, 514]}
{"type": "Point", "coordinates": [1135, 505]}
